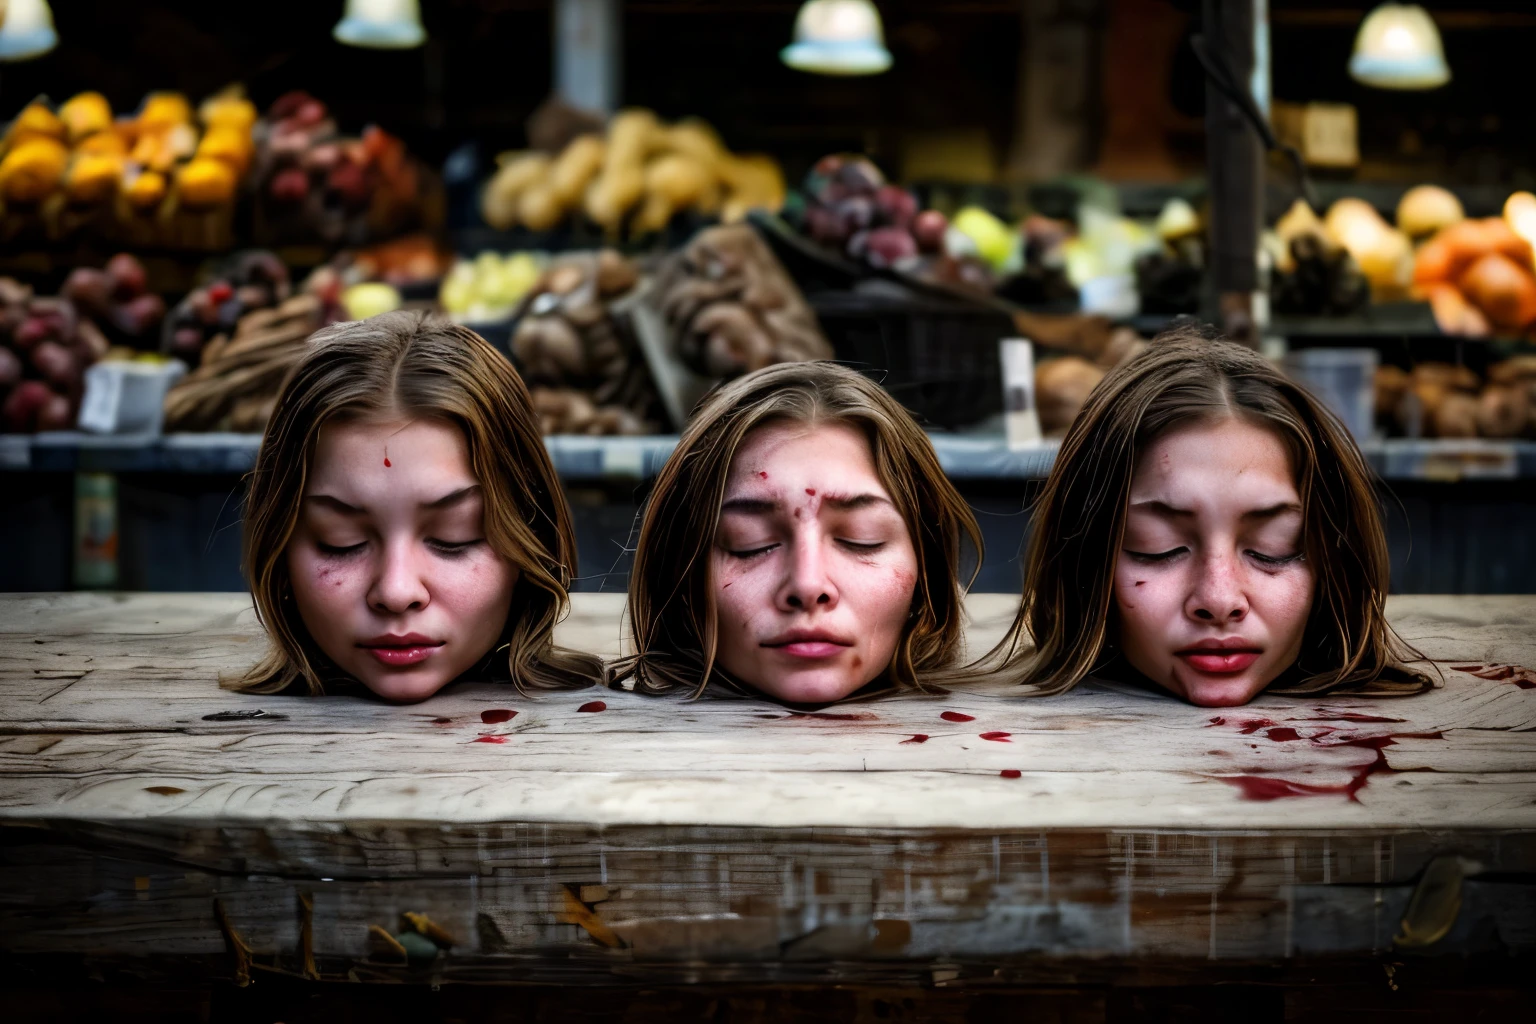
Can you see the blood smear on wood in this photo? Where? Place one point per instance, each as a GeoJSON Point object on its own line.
{"type": "Point", "coordinates": [490, 739]}
{"type": "Point", "coordinates": [1282, 734]}
{"type": "Point", "coordinates": [997, 737]}
{"type": "Point", "coordinates": [1010, 773]}
{"type": "Point", "coordinates": [594, 705]}
{"type": "Point", "coordinates": [491, 716]}
{"type": "Point", "coordinates": [955, 716]}
{"type": "Point", "coordinates": [920, 737]}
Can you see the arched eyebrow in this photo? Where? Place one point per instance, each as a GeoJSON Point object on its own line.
{"type": "Point", "coordinates": [446, 501]}
{"type": "Point", "coordinates": [848, 503]}
{"type": "Point", "coordinates": [766, 506]}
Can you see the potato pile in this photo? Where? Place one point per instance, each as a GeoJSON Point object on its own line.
{"type": "Point", "coordinates": [162, 159]}
{"type": "Point", "coordinates": [732, 307]}
{"type": "Point", "coordinates": [582, 363]}
{"type": "Point", "coordinates": [1442, 400]}
{"type": "Point", "coordinates": [633, 179]}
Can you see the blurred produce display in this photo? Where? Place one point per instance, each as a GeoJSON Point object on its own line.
{"type": "Point", "coordinates": [631, 180]}
{"type": "Point", "coordinates": [490, 286]}
{"type": "Point", "coordinates": [580, 359]}
{"type": "Point", "coordinates": [732, 309]}
{"type": "Point", "coordinates": [1442, 400]}
{"type": "Point", "coordinates": [314, 184]}
{"type": "Point", "coordinates": [245, 282]}
{"type": "Point", "coordinates": [46, 342]}
{"type": "Point", "coordinates": [1478, 274]}
{"type": "Point", "coordinates": [166, 176]}
{"type": "Point", "coordinates": [1314, 273]}
{"type": "Point", "coordinates": [236, 385]}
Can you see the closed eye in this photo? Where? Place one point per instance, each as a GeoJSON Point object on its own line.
{"type": "Point", "coordinates": [864, 546]}
{"type": "Point", "coordinates": [452, 548]}
{"type": "Point", "coordinates": [1152, 557]}
{"type": "Point", "coordinates": [1274, 560]}
{"type": "Point", "coordinates": [340, 551]}
{"type": "Point", "coordinates": [751, 552]}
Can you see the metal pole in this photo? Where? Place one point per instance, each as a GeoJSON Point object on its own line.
{"type": "Point", "coordinates": [588, 53]}
{"type": "Point", "coordinates": [1235, 170]}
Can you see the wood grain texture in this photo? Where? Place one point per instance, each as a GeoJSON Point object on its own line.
{"type": "Point", "coordinates": [735, 831]}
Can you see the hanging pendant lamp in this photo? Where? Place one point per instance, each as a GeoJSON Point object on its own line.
{"type": "Point", "coordinates": [381, 24]}
{"type": "Point", "coordinates": [838, 37]}
{"type": "Point", "coordinates": [1398, 47]}
{"type": "Point", "coordinates": [27, 30]}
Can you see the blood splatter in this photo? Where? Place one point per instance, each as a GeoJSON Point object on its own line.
{"type": "Point", "coordinates": [387, 463]}
{"type": "Point", "coordinates": [593, 705]}
{"type": "Point", "coordinates": [955, 716]}
{"type": "Point", "coordinates": [762, 474]}
{"type": "Point", "coordinates": [997, 737]}
{"type": "Point", "coordinates": [1283, 734]}
{"type": "Point", "coordinates": [1247, 726]}
{"type": "Point", "coordinates": [493, 715]}
{"type": "Point", "coordinates": [1515, 674]}
{"type": "Point", "coordinates": [811, 491]}
{"type": "Point", "coordinates": [918, 737]}
{"type": "Point", "coordinates": [1264, 787]}
{"type": "Point", "coordinates": [1010, 773]}
{"type": "Point", "coordinates": [1346, 716]}
{"type": "Point", "coordinates": [856, 716]}
{"type": "Point", "coordinates": [490, 739]}
{"type": "Point", "coordinates": [164, 790]}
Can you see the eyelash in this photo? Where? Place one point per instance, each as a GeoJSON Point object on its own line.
{"type": "Point", "coordinates": [1269, 561]}
{"type": "Point", "coordinates": [853, 545]}
{"type": "Point", "coordinates": [444, 548]}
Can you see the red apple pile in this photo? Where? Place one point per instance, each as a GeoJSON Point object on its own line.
{"type": "Point", "coordinates": [850, 207]}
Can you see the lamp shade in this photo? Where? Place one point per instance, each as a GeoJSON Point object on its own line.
{"type": "Point", "coordinates": [381, 24]}
{"type": "Point", "coordinates": [27, 30]}
{"type": "Point", "coordinates": [1398, 47]}
{"type": "Point", "coordinates": [838, 37]}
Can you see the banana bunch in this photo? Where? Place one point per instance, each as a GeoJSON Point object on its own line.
{"type": "Point", "coordinates": [637, 175]}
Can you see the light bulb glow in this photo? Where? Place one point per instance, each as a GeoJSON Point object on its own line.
{"type": "Point", "coordinates": [838, 37]}
{"type": "Point", "coordinates": [28, 30]}
{"type": "Point", "coordinates": [1398, 47]}
{"type": "Point", "coordinates": [381, 24]}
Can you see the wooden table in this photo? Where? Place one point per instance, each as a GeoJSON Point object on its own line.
{"type": "Point", "coordinates": [732, 840]}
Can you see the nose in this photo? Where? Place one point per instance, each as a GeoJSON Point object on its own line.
{"type": "Point", "coordinates": [1217, 595]}
{"type": "Point", "coordinates": [398, 585]}
{"type": "Point", "coordinates": [808, 582]}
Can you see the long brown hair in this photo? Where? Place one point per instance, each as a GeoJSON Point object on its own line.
{"type": "Point", "coordinates": [408, 364]}
{"type": "Point", "coordinates": [671, 598]}
{"type": "Point", "coordinates": [1079, 522]}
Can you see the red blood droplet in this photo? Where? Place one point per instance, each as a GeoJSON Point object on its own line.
{"type": "Point", "coordinates": [387, 463]}
{"type": "Point", "coordinates": [919, 737]}
{"type": "Point", "coordinates": [1281, 735]}
{"type": "Point", "coordinates": [955, 716]}
{"type": "Point", "coordinates": [493, 715]}
{"type": "Point", "coordinates": [997, 737]}
{"type": "Point", "coordinates": [490, 739]}
{"type": "Point", "coordinates": [811, 491]}
{"type": "Point", "coordinates": [593, 705]}
{"type": "Point", "coordinates": [1141, 583]}
{"type": "Point", "coordinates": [762, 474]}
{"type": "Point", "coordinates": [1010, 773]}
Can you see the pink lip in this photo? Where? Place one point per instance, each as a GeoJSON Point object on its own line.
{"type": "Point", "coordinates": [396, 650]}
{"type": "Point", "coordinates": [1224, 657]}
{"type": "Point", "coordinates": [812, 644]}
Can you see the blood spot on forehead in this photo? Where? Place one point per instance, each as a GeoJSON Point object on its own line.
{"type": "Point", "coordinates": [387, 463]}
{"type": "Point", "coordinates": [762, 474]}
{"type": "Point", "coordinates": [811, 491]}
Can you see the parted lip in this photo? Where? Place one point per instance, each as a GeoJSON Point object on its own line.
{"type": "Point", "coordinates": [1218, 644]}
{"type": "Point", "coordinates": [402, 640]}
{"type": "Point", "coordinates": [807, 636]}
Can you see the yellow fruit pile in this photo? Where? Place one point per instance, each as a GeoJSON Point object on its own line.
{"type": "Point", "coordinates": [639, 174]}
{"type": "Point", "coordinates": [85, 156]}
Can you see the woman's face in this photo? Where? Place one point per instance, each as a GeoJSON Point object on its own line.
{"type": "Point", "coordinates": [1211, 583]}
{"type": "Point", "coordinates": [390, 568]}
{"type": "Point", "coordinates": [813, 568]}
